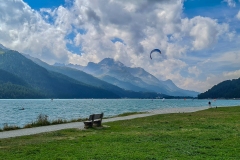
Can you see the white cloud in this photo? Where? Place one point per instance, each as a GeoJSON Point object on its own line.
{"type": "Point", "coordinates": [231, 75]}
{"type": "Point", "coordinates": [25, 30]}
{"type": "Point", "coordinates": [238, 15]}
{"type": "Point", "coordinates": [216, 79]}
{"type": "Point", "coordinates": [203, 31]}
{"type": "Point", "coordinates": [206, 84]}
{"type": "Point", "coordinates": [194, 70]}
{"type": "Point", "coordinates": [91, 25]}
{"type": "Point", "coordinates": [230, 57]}
{"type": "Point", "coordinates": [231, 3]}
{"type": "Point", "coordinates": [141, 28]}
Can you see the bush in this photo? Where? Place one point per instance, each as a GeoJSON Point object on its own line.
{"type": "Point", "coordinates": [42, 120]}
{"type": "Point", "coordinates": [59, 121]}
{"type": "Point", "coordinates": [8, 128]}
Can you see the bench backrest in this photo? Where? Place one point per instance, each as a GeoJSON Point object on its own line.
{"type": "Point", "coordinates": [91, 117]}
{"type": "Point", "coordinates": [98, 116]}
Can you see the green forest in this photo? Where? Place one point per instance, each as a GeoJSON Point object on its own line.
{"type": "Point", "coordinates": [226, 89]}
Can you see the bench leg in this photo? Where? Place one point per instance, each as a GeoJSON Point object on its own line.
{"type": "Point", "coordinates": [88, 125]}
{"type": "Point", "coordinates": [97, 123]}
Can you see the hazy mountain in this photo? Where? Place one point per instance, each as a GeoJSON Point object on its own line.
{"type": "Point", "coordinates": [225, 89]}
{"type": "Point", "coordinates": [115, 73]}
{"type": "Point", "coordinates": [122, 84]}
{"type": "Point", "coordinates": [91, 80]}
{"type": "Point", "coordinates": [3, 48]}
{"type": "Point", "coordinates": [108, 75]}
{"type": "Point", "coordinates": [49, 84]}
{"type": "Point", "coordinates": [78, 67]}
{"type": "Point", "coordinates": [136, 79]}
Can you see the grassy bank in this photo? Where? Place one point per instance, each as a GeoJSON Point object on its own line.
{"type": "Point", "coordinates": [208, 134]}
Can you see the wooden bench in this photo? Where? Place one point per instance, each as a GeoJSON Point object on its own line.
{"type": "Point", "coordinates": [93, 120]}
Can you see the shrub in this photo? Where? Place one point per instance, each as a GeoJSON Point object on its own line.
{"type": "Point", "coordinates": [42, 120]}
{"type": "Point", "coordinates": [59, 121]}
{"type": "Point", "coordinates": [6, 127]}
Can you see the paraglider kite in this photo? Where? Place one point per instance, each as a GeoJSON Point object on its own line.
{"type": "Point", "coordinates": [155, 50]}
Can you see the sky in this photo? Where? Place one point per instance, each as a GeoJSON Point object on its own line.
{"type": "Point", "coordinates": [199, 39]}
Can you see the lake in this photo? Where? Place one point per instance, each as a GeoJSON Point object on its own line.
{"type": "Point", "coordinates": [68, 109]}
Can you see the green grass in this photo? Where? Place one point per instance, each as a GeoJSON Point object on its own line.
{"type": "Point", "coordinates": [208, 134]}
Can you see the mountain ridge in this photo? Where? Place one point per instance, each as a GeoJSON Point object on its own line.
{"type": "Point", "coordinates": [51, 84]}
{"type": "Point", "coordinates": [108, 74]}
{"type": "Point", "coordinates": [91, 80]}
{"type": "Point", "coordinates": [108, 69]}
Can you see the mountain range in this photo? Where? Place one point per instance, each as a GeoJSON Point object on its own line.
{"type": "Point", "coordinates": [91, 80]}
{"type": "Point", "coordinates": [135, 79]}
{"type": "Point", "coordinates": [106, 79]}
{"type": "Point", "coordinates": [28, 75]}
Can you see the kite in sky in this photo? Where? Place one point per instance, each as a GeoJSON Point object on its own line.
{"type": "Point", "coordinates": [155, 50]}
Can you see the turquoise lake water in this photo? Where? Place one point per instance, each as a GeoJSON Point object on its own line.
{"type": "Point", "coordinates": [11, 113]}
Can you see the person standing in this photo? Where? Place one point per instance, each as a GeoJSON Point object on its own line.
{"type": "Point", "coordinates": [209, 104]}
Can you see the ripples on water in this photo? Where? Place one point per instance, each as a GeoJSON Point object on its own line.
{"type": "Point", "coordinates": [68, 109]}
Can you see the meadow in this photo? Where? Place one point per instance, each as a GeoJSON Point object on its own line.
{"type": "Point", "coordinates": [209, 134]}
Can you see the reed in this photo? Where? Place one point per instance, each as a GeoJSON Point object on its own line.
{"type": "Point", "coordinates": [7, 127]}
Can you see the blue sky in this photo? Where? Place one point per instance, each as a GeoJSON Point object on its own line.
{"type": "Point", "coordinates": [199, 39]}
{"type": "Point", "coordinates": [38, 4]}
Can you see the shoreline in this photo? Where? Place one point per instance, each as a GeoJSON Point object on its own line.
{"type": "Point", "coordinates": [80, 125]}
{"type": "Point", "coordinates": [74, 109]}
{"type": "Point", "coordinates": [178, 110]}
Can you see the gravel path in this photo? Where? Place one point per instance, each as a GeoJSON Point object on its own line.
{"type": "Point", "coordinates": [80, 125]}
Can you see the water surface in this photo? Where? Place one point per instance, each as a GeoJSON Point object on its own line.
{"type": "Point", "coordinates": [67, 109]}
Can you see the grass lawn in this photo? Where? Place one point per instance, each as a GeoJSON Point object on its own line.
{"type": "Point", "coordinates": [208, 134]}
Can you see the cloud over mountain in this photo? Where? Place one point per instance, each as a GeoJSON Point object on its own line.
{"type": "Point", "coordinates": [84, 31]}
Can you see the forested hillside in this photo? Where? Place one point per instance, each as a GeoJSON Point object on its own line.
{"type": "Point", "coordinates": [225, 89]}
{"type": "Point", "coordinates": [12, 86]}
{"type": "Point", "coordinates": [24, 77]}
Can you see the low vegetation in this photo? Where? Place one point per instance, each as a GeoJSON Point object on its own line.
{"type": "Point", "coordinates": [209, 134]}
{"type": "Point", "coordinates": [42, 120]}
{"type": "Point", "coordinates": [7, 127]}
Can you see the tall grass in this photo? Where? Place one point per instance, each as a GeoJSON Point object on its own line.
{"type": "Point", "coordinates": [7, 127]}
{"type": "Point", "coordinates": [42, 120]}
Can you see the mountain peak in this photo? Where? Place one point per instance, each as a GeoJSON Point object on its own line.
{"type": "Point", "coordinates": [108, 61]}
{"type": "Point", "coordinates": [111, 62]}
{"type": "Point", "coordinates": [169, 81]}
